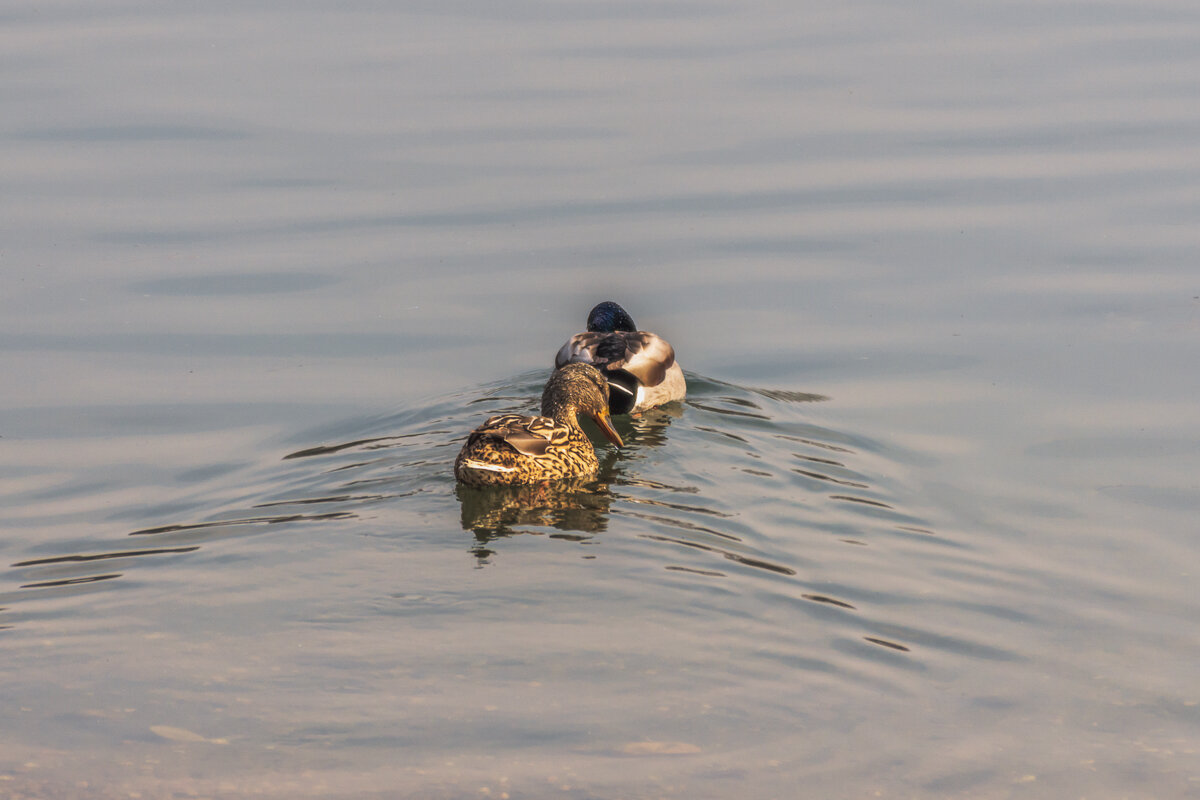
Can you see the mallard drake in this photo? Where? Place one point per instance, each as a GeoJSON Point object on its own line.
{"type": "Point", "coordinates": [640, 366]}
{"type": "Point", "coordinates": [510, 449]}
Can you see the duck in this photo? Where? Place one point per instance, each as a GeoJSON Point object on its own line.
{"type": "Point", "coordinates": [511, 450]}
{"type": "Point", "coordinates": [640, 366]}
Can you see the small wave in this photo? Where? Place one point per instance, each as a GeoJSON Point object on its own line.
{"type": "Point", "coordinates": [732, 476]}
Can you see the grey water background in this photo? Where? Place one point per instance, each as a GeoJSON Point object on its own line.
{"type": "Point", "coordinates": [926, 525]}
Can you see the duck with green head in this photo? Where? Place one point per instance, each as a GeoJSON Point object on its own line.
{"type": "Point", "coordinates": [640, 366]}
{"type": "Point", "coordinates": [510, 449]}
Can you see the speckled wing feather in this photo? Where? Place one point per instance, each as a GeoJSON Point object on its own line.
{"type": "Point", "coordinates": [529, 435]}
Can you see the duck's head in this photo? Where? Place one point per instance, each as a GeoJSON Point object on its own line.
{"type": "Point", "coordinates": [607, 317]}
{"type": "Point", "coordinates": [580, 389]}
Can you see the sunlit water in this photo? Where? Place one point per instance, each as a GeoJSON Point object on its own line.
{"type": "Point", "coordinates": [925, 525]}
{"type": "Point", "coordinates": [735, 580]}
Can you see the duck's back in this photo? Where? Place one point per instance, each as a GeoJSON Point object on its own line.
{"type": "Point", "coordinates": [511, 449]}
{"type": "Point", "coordinates": [640, 367]}
{"type": "Point", "coordinates": [644, 355]}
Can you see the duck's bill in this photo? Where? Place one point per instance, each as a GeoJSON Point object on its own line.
{"type": "Point", "coordinates": [605, 425]}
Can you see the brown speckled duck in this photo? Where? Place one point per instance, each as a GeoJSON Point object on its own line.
{"type": "Point", "coordinates": [510, 449]}
{"type": "Point", "coordinates": [639, 365]}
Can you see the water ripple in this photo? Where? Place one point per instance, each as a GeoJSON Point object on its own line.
{"type": "Point", "coordinates": [707, 483]}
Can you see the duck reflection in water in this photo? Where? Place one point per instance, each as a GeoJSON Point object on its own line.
{"type": "Point", "coordinates": [567, 509]}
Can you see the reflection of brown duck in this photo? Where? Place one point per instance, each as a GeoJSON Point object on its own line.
{"type": "Point", "coordinates": [640, 366]}
{"type": "Point", "coordinates": [569, 505]}
{"type": "Point", "coordinates": [510, 449]}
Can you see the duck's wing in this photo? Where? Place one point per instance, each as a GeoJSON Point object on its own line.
{"type": "Point", "coordinates": [642, 354]}
{"type": "Point", "coordinates": [647, 357]}
{"type": "Point", "coordinates": [531, 436]}
{"type": "Point", "coordinates": [579, 348]}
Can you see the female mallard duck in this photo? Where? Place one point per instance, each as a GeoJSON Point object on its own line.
{"type": "Point", "coordinates": [510, 449]}
{"type": "Point", "coordinates": [640, 367]}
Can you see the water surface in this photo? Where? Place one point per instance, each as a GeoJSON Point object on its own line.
{"type": "Point", "coordinates": [924, 526]}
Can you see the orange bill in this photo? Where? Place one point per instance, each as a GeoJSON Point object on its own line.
{"type": "Point", "coordinates": [605, 425]}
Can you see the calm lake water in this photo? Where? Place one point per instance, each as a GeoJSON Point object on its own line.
{"type": "Point", "coordinates": [926, 525]}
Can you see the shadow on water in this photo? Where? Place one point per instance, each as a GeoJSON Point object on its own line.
{"type": "Point", "coordinates": [734, 483]}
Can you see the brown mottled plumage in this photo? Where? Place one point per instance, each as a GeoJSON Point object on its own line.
{"type": "Point", "coordinates": [510, 449]}
{"type": "Point", "coordinates": [639, 365]}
